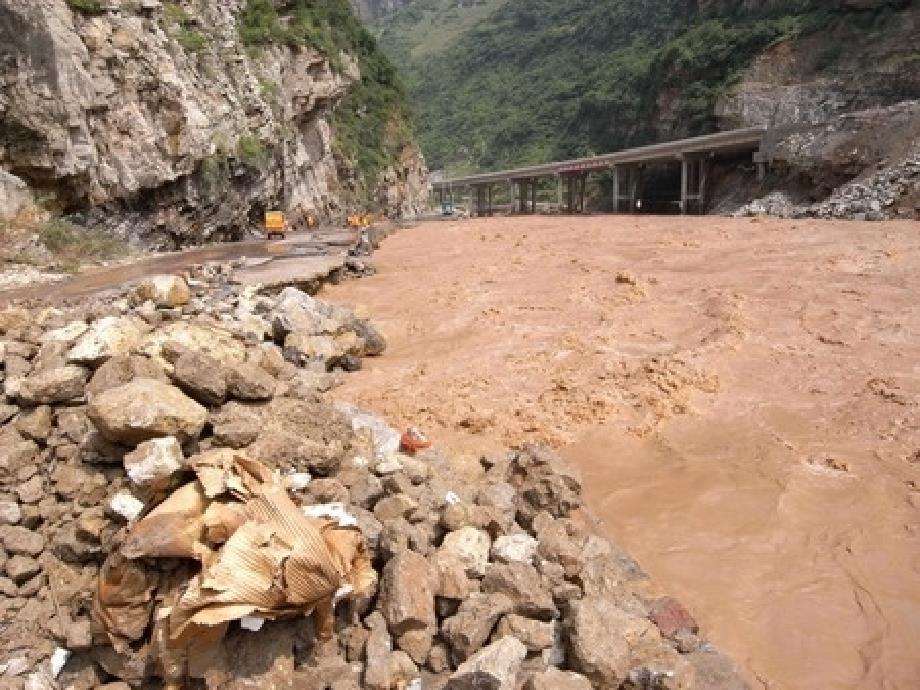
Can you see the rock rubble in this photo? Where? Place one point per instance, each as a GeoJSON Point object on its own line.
{"type": "Point", "coordinates": [488, 577]}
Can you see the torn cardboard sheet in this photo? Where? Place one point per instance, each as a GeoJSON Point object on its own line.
{"type": "Point", "coordinates": [251, 553]}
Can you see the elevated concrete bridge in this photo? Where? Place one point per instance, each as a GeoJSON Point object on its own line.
{"type": "Point", "coordinates": [692, 155]}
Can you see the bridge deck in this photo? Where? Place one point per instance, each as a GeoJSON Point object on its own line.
{"type": "Point", "coordinates": [738, 140]}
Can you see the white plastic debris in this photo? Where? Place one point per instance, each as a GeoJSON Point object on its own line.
{"type": "Point", "coordinates": [297, 481]}
{"type": "Point", "coordinates": [451, 498]}
{"type": "Point", "coordinates": [331, 511]}
{"type": "Point", "coordinates": [360, 461]}
{"type": "Point", "coordinates": [414, 684]}
{"type": "Point", "coordinates": [58, 658]}
{"type": "Point", "coordinates": [341, 593]}
{"type": "Point", "coordinates": [386, 438]}
{"type": "Point", "coordinates": [252, 623]}
{"type": "Point", "coordinates": [126, 505]}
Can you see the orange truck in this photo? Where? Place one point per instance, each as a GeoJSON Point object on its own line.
{"type": "Point", "coordinates": [275, 224]}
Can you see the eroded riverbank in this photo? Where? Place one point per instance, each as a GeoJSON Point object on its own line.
{"type": "Point", "coordinates": [741, 395]}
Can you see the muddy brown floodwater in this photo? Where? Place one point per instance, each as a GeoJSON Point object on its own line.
{"type": "Point", "coordinates": [742, 396]}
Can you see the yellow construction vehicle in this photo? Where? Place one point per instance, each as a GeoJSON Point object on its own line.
{"type": "Point", "coordinates": [275, 224]}
{"type": "Point", "coordinates": [359, 221]}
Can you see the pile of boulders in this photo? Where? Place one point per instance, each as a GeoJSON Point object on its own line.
{"type": "Point", "coordinates": [488, 578]}
{"type": "Point", "coordinates": [871, 197]}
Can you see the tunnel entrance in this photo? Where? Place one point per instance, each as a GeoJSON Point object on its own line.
{"type": "Point", "coordinates": [659, 191]}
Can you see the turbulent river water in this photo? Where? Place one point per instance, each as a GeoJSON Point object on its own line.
{"type": "Point", "coordinates": [742, 397]}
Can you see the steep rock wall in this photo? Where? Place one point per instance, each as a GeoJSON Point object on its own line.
{"type": "Point", "coordinates": [155, 121]}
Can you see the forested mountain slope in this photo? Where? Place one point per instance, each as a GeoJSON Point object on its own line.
{"type": "Point", "coordinates": [504, 82]}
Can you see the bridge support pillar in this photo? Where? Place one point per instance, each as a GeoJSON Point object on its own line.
{"type": "Point", "coordinates": [693, 184]}
{"type": "Point", "coordinates": [615, 191]}
{"type": "Point", "coordinates": [684, 184]}
{"type": "Point", "coordinates": [635, 177]}
{"type": "Point", "coordinates": [559, 193]}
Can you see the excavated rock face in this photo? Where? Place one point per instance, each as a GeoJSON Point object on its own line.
{"type": "Point", "coordinates": [153, 120]}
{"type": "Point", "coordinates": [863, 165]}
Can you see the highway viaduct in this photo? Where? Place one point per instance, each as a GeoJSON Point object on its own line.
{"type": "Point", "coordinates": [693, 155]}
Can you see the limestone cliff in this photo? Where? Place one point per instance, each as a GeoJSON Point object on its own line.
{"type": "Point", "coordinates": [159, 121]}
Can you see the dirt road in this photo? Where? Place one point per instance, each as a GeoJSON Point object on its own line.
{"type": "Point", "coordinates": [742, 396]}
{"type": "Point", "coordinates": [96, 280]}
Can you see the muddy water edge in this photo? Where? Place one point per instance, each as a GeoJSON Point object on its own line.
{"type": "Point", "coordinates": [741, 396]}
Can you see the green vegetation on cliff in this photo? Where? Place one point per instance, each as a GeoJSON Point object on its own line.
{"type": "Point", "coordinates": [371, 121]}
{"type": "Point", "coordinates": [503, 83]}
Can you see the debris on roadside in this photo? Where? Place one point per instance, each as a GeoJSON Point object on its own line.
{"type": "Point", "coordinates": [180, 502]}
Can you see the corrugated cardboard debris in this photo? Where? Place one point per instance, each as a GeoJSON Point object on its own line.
{"type": "Point", "coordinates": [250, 550]}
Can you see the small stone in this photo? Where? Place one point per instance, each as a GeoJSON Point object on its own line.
{"type": "Point", "coordinates": [554, 679]}
{"type": "Point", "coordinates": [455, 516]}
{"type": "Point", "coordinates": [7, 412]}
{"type": "Point", "coordinates": [122, 369]}
{"type": "Point", "coordinates": [31, 491]}
{"type": "Point", "coordinates": [66, 334]}
{"type": "Point", "coordinates": [470, 627]}
{"type": "Point", "coordinates": [451, 577]}
{"type": "Point", "coordinates": [58, 385]}
{"type": "Point", "coordinates": [20, 569]}
{"type": "Point", "coordinates": [8, 588]}
{"type": "Point", "coordinates": [524, 586]}
{"type": "Point", "coordinates": [153, 462]}
{"type": "Point", "coordinates": [439, 658]}
{"type": "Point", "coordinates": [21, 541]}
{"type": "Point", "coordinates": [672, 618]}
{"type": "Point", "coordinates": [471, 546]}
{"type": "Point", "coordinates": [536, 635]}
{"type": "Point", "coordinates": [79, 635]}
{"type": "Point", "coordinates": [202, 377]}
{"type": "Point", "coordinates": [126, 505]}
{"type": "Point", "coordinates": [35, 424]}
{"type": "Point", "coordinates": [10, 513]}
{"type": "Point", "coordinates": [407, 594]}
{"type": "Point", "coordinates": [379, 648]}
{"type": "Point", "coordinates": [249, 382]}
{"type": "Point", "coordinates": [494, 668]}
{"type": "Point", "coordinates": [520, 548]}
{"type": "Point", "coordinates": [393, 507]}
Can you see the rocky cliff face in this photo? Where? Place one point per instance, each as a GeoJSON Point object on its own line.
{"type": "Point", "coordinates": [866, 60]}
{"type": "Point", "coordinates": [154, 119]}
{"type": "Point", "coordinates": [370, 10]}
